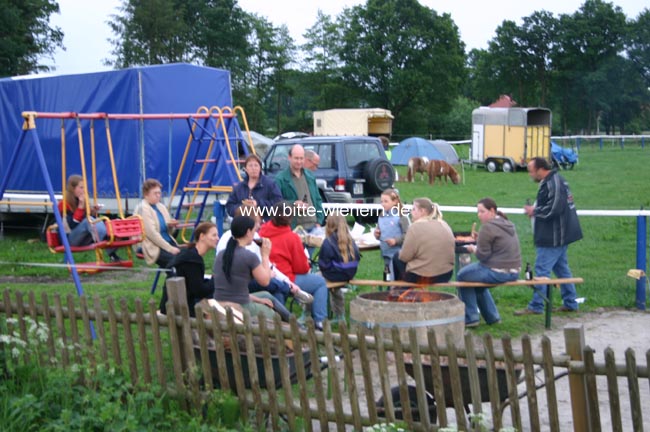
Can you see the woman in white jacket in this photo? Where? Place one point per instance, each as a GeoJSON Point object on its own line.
{"type": "Point", "coordinates": [159, 245]}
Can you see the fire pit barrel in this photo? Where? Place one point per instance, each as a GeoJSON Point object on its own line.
{"type": "Point", "coordinates": [420, 310]}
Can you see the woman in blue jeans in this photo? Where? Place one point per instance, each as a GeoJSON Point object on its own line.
{"type": "Point", "coordinates": [499, 261]}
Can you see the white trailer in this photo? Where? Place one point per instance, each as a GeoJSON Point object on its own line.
{"type": "Point", "coordinates": [356, 122]}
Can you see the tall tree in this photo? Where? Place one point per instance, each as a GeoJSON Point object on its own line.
{"type": "Point", "coordinates": [26, 36]}
{"type": "Point", "coordinates": [322, 65]}
{"type": "Point", "coordinates": [265, 82]}
{"type": "Point", "coordinates": [219, 31]}
{"type": "Point", "coordinates": [401, 55]}
{"type": "Point", "coordinates": [638, 46]}
{"type": "Point", "coordinates": [150, 32]}
{"type": "Point", "coordinates": [586, 40]}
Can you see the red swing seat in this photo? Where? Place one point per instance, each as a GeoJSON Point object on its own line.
{"type": "Point", "coordinates": [121, 233]}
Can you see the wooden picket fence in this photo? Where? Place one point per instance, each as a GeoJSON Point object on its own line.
{"type": "Point", "coordinates": [287, 378]}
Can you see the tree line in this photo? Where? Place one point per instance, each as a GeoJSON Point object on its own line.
{"type": "Point", "coordinates": [590, 67]}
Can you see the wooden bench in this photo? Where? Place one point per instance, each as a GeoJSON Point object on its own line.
{"type": "Point", "coordinates": [548, 300]}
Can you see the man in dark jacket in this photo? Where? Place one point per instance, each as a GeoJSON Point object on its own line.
{"type": "Point", "coordinates": [555, 226]}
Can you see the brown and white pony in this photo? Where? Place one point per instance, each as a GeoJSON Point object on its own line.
{"type": "Point", "coordinates": [416, 165]}
{"type": "Point", "coordinates": [442, 170]}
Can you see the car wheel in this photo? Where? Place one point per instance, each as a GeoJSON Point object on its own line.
{"type": "Point", "coordinates": [379, 175]}
{"type": "Point", "coordinates": [491, 166]}
{"type": "Point", "coordinates": [507, 167]}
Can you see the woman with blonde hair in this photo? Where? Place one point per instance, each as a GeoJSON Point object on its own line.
{"type": "Point", "coordinates": [338, 259]}
{"type": "Point", "coordinates": [427, 255]}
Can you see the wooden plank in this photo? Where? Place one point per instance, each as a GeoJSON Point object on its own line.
{"type": "Point", "coordinates": [592, 390]}
{"type": "Point", "coordinates": [574, 341]}
{"type": "Point", "coordinates": [47, 320]}
{"type": "Point", "coordinates": [157, 343]}
{"type": "Point", "coordinates": [33, 310]}
{"type": "Point", "coordinates": [456, 284]}
{"type": "Point", "coordinates": [60, 326]}
{"type": "Point", "coordinates": [633, 388]}
{"type": "Point", "coordinates": [206, 367]}
{"type": "Point", "coordinates": [115, 338]}
{"type": "Point", "coordinates": [549, 379]}
{"type": "Point", "coordinates": [143, 340]}
{"type": "Point", "coordinates": [88, 336]}
{"type": "Point", "coordinates": [283, 364]}
{"type": "Point", "coordinates": [74, 330]}
{"type": "Point", "coordinates": [301, 374]}
{"type": "Point", "coordinates": [513, 398]}
{"type": "Point", "coordinates": [20, 314]}
{"type": "Point", "coordinates": [418, 376]}
{"type": "Point", "coordinates": [529, 376]}
{"type": "Point", "coordinates": [436, 373]}
{"type": "Point", "coordinates": [99, 329]}
{"type": "Point", "coordinates": [472, 373]}
{"type": "Point", "coordinates": [456, 384]}
{"type": "Point", "coordinates": [128, 340]}
{"type": "Point", "coordinates": [253, 374]}
{"type": "Point", "coordinates": [493, 384]}
{"type": "Point", "coordinates": [236, 362]}
{"type": "Point", "coordinates": [176, 349]}
{"type": "Point", "coordinates": [333, 389]}
{"type": "Point", "coordinates": [405, 401]}
{"type": "Point", "coordinates": [389, 410]}
{"type": "Point", "coordinates": [221, 342]}
{"type": "Point", "coordinates": [349, 373]}
{"type": "Point", "coordinates": [319, 382]}
{"type": "Point", "coordinates": [270, 383]}
{"type": "Point", "coordinates": [612, 390]}
{"type": "Point", "coordinates": [368, 386]}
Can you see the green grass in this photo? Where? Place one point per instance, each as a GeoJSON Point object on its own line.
{"type": "Point", "coordinates": [611, 179]}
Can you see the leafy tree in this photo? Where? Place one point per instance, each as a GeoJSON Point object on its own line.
{"type": "Point", "coordinates": [218, 32]}
{"type": "Point", "coordinates": [537, 43]}
{"type": "Point", "coordinates": [638, 47]}
{"type": "Point", "coordinates": [26, 36]}
{"type": "Point", "coordinates": [150, 32]}
{"type": "Point", "coordinates": [271, 53]}
{"type": "Point", "coordinates": [322, 65]}
{"type": "Point", "coordinates": [586, 40]}
{"type": "Point", "coordinates": [400, 54]}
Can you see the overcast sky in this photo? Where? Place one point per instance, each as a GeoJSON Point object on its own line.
{"type": "Point", "coordinates": [86, 32]}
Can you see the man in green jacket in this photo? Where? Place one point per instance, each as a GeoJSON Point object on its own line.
{"type": "Point", "coordinates": [298, 186]}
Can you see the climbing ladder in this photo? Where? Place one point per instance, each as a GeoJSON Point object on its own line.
{"type": "Point", "coordinates": [210, 164]}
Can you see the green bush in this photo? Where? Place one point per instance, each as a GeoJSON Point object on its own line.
{"type": "Point", "coordinates": [39, 395]}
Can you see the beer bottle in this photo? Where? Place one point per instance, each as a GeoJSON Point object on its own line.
{"type": "Point", "coordinates": [529, 272]}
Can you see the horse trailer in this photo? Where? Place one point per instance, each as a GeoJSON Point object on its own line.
{"type": "Point", "coordinates": [507, 138]}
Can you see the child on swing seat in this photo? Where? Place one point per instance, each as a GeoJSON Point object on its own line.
{"type": "Point", "coordinates": [80, 230]}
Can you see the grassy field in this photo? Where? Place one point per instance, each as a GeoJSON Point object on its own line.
{"type": "Point", "coordinates": [612, 179]}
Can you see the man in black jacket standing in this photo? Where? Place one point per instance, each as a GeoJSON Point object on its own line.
{"type": "Point", "coordinates": [555, 226]}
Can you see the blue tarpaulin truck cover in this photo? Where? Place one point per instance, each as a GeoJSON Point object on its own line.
{"type": "Point", "coordinates": [142, 149]}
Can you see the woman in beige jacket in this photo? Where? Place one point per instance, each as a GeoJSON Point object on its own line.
{"type": "Point", "coordinates": [427, 254]}
{"type": "Point", "coordinates": [159, 245]}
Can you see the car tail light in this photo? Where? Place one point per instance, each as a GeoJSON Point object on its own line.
{"type": "Point", "coordinates": [339, 185]}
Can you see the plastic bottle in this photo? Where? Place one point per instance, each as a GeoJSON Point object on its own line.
{"type": "Point", "coordinates": [529, 272]}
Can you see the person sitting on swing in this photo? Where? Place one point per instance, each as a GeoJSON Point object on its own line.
{"type": "Point", "coordinates": [82, 231]}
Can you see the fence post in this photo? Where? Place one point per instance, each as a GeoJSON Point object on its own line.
{"type": "Point", "coordinates": [177, 299]}
{"type": "Point", "coordinates": [574, 342]}
{"type": "Point", "coordinates": [641, 234]}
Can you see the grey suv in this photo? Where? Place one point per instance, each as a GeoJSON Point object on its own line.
{"type": "Point", "coordinates": [351, 169]}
